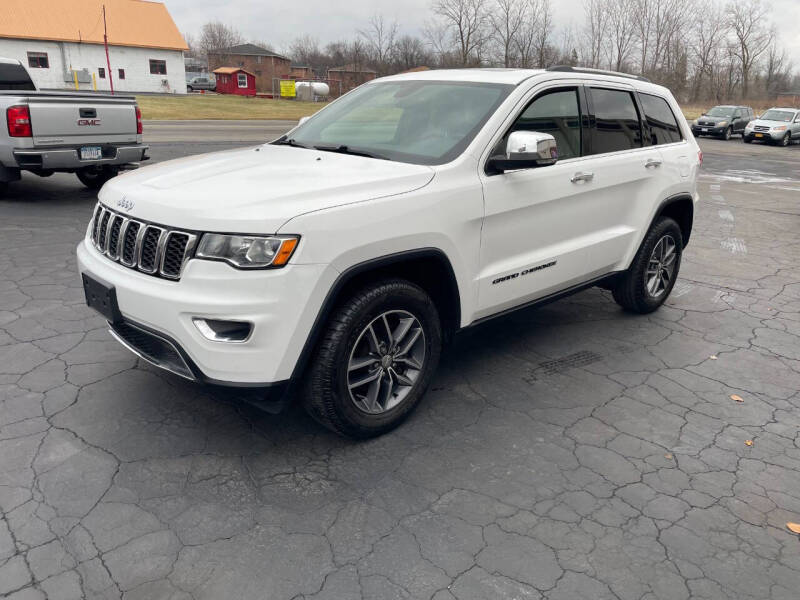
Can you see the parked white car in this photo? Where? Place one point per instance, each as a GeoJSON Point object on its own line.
{"type": "Point", "coordinates": [336, 261]}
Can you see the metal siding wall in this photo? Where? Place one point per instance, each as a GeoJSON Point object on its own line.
{"type": "Point", "coordinates": [135, 61]}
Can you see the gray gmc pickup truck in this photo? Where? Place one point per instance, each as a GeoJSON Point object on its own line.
{"type": "Point", "coordinates": [92, 135]}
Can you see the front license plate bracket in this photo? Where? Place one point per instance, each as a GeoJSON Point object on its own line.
{"type": "Point", "coordinates": [102, 298]}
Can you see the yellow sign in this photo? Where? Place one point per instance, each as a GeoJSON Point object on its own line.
{"type": "Point", "coordinates": [287, 88]}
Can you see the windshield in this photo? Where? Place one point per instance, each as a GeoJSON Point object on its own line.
{"type": "Point", "coordinates": [423, 122]}
{"type": "Point", "coordinates": [720, 111]}
{"type": "Point", "coordinates": [778, 115]}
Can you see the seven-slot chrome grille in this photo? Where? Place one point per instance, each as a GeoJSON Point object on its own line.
{"type": "Point", "coordinates": [149, 248]}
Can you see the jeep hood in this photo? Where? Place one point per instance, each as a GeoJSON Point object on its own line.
{"type": "Point", "coordinates": [255, 190]}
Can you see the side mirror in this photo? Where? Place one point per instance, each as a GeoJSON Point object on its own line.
{"type": "Point", "coordinates": [525, 150]}
{"type": "Point", "coordinates": [303, 120]}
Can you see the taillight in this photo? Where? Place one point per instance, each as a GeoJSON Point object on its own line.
{"type": "Point", "coordinates": [138, 121]}
{"type": "Point", "coordinates": [19, 121]}
{"type": "Point", "coordinates": [700, 157]}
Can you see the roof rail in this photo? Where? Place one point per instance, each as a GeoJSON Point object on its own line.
{"type": "Point", "coordinates": [568, 69]}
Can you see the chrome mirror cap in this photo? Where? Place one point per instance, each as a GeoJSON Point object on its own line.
{"type": "Point", "coordinates": [532, 146]}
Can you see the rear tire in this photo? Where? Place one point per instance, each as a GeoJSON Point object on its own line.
{"type": "Point", "coordinates": [362, 381]}
{"type": "Point", "coordinates": [652, 274]}
{"type": "Point", "coordinates": [95, 177]}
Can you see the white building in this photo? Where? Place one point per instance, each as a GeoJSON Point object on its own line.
{"type": "Point", "coordinates": [60, 41]}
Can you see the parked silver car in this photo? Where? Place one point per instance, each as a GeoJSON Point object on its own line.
{"type": "Point", "coordinates": [776, 126]}
{"type": "Point", "coordinates": [200, 83]}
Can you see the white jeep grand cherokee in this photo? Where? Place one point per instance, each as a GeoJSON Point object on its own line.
{"type": "Point", "coordinates": [336, 260]}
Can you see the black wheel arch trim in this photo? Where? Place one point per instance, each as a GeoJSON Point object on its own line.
{"type": "Point", "coordinates": [331, 298]}
{"type": "Point", "coordinates": [669, 201]}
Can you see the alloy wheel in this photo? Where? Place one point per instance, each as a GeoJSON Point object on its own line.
{"type": "Point", "coordinates": [661, 266]}
{"type": "Point", "coordinates": [386, 361]}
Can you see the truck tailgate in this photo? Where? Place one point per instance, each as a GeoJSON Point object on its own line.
{"type": "Point", "coordinates": [59, 121]}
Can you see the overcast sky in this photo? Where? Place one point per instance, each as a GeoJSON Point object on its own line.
{"type": "Point", "coordinates": [279, 22]}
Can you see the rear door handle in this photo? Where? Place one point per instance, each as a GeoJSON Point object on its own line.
{"type": "Point", "coordinates": [652, 163]}
{"type": "Point", "coordinates": [579, 176]}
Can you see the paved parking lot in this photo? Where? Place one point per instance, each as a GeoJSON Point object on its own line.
{"type": "Point", "coordinates": [572, 452]}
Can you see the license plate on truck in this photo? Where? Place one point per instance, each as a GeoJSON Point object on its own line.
{"type": "Point", "coordinates": [91, 153]}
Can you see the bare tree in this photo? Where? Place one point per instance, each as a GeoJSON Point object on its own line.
{"type": "Point", "coordinates": [466, 23]}
{"type": "Point", "coordinates": [216, 37]}
{"type": "Point", "coordinates": [379, 37]}
{"type": "Point", "coordinates": [777, 70]}
{"type": "Point", "coordinates": [596, 31]}
{"type": "Point", "coordinates": [191, 42]}
{"type": "Point", "coordinates": [748, 21]}
{"type": "Point", "coordinates": [409, 52]}
{"type": "Point", "coordinates": [506, 19]}
{"type": "Point", "coordinates": [622, 32]}
{"type": "Point", "coordinates": [707, 44]}
{"type": "Point", "coordinates": [545, 30]}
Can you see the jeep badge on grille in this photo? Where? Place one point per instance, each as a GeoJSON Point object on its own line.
{"type": "Point", "coordinates": [125, 204]}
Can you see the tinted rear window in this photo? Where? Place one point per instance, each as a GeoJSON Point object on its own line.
{"type": "Point", "coordinates": [660, 120]}
{"type": "Point", "coordinates": [15, 77]}
{"type": "Point", "coordinates": [617, 124]}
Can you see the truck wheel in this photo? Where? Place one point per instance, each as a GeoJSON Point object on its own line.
{"type": "Point", "coordinates": [652, 274]}
{"type": "Point", "coordinates": [377, 355]}
{"type": "Point", "coordinates": [94, 177]}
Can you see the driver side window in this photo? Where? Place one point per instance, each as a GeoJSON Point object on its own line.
{"type": "Point", "coordinates": [556, 112]}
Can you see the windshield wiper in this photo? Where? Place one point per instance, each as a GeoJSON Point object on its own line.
{"type": "Point", "coordinates": [343, 149]}
{"type": "Point", "coordinates": [284, 141]}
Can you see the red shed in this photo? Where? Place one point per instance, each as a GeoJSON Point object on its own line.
{"type": "Point", "coordinates": [235, 80]}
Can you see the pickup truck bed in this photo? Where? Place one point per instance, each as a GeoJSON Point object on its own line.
{"type": "Point", "coordinates": [93, 135]}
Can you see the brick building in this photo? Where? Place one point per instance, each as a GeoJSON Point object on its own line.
{"type": "Point", "coordinates": [343, 79]}
{"type": "Point", "coordinates": [264, 64]}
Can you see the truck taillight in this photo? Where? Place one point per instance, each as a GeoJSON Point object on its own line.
{"type": "Point", "coordinates": [19, 121]}
{"type": "Point", "coordinates": [138, 121]}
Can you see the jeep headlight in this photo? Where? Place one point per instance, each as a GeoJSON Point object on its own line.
{"type": "Point", "coordinates": [247, 251]}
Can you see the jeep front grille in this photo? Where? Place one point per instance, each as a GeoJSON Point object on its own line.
{"type": "Point", "coordinates": [149, 248]}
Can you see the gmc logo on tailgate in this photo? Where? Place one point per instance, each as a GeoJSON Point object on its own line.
{"type": "Point", "coordinates": [89, 122]}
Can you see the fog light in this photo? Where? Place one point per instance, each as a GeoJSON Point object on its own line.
{"type": "Point", "coordinates": [223, 331]}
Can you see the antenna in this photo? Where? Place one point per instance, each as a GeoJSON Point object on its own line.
{"type": "Point", "coordinates": [105, 43]}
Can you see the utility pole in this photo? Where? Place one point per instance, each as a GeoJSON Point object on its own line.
{"type": "Point", "coordinates": [105, 43]}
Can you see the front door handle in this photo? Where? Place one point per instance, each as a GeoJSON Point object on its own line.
{"type": "Point", "coordinates": [579, 176]}
{"type": "Point", "coordinates": [652, 163]}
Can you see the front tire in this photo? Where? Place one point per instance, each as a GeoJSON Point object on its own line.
{"type": "Point", "coordinates": [95, 177]}
{"type": "Point", "coordinates": [746, 139]}
{"type": "Point", "coordinates": [648, 282]}
{"type": "Point", "coordinates": [376, 358]}
{"type": "Point", "coordinates": [786, 139]}
{"type": "Point", "coordinates": [727, 134]}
